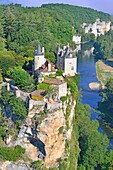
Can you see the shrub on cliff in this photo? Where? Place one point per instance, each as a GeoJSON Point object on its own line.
{"type": "Point", "coordinates": [11, 153]}
{"type": "Point", "coordinates": [12, 106]}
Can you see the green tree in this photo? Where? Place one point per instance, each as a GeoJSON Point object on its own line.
{"type": "Point", "coordinates": [6, 61]}
{"type": "Point", "coordinates": [93, 144]}
{"type": "Point", "coordinates": [104, 46]}
{"type": "Point", "coordinates": [22, 79]}
{"type": "Point", "coordinates": [106, 105]}
{"type": "Point", "coordinates": [51, 57]}
{"type": "Point", "coordinates": [52, 91]}
{"type": "Point", "coordinates": [11, 153]}
{"type": "Point", "coordinates": [12, 105]}
{"type": "Point", "coordinates": [59, 73]}
{"type": "Point", "coordinates": [9, 59]}
{"type": "Point", "coordinates": [1, 78]}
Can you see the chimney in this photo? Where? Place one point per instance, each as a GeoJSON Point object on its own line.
{"type": "Point", "coordinates": [49, 66]}
{"type": "Point", "coordinates": [43, 50]}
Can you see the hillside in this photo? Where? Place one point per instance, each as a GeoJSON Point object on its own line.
{"type": "Point", "coordinates": [78, 15]}
{"type": "Point", "coordinates": [50, 24]}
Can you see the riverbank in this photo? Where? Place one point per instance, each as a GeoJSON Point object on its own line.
{"type": "Point", "coordinates": [104, 72]}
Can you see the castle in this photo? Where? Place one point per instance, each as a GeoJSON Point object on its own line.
{"type": "Point", "coordinates": [41, 64]}
{"type": "Point", "coordinates": [66, 61]}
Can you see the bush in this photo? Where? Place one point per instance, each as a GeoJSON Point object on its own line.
{"type": "Point", "coordinates": [59, 73]}
{"type": "Point", "coordinates": [43, 86]}
{"type": "Point", "coordinates": [1, 78]}
{"type": "Point", "coordinates": [16, 106]}
{"type": "Point", "coordinates": [22, 79]}
{"type": "Point", "coordinates": [12, 153]}
{"type": "Point", "coordinates": [64, 98]}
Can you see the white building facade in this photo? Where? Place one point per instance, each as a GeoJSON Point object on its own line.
{"type": "Point", "coordinates": [39, 58]}
{"type": "Point", "coordinates": [66, 61]}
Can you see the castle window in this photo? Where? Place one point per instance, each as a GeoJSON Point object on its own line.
{"type": "Point", "coordinates": [72, 68]}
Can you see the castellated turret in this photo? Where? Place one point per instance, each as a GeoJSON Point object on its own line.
{"type": "Point", "coordinates": [39, 58]}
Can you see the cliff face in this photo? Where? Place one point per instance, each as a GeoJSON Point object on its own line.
{"type": "Point", "coordinates": [51, 134]}
{"type": "Point", "coordinates": [97, 28]}
{"type": "Point", "coordinates": [44, 134]}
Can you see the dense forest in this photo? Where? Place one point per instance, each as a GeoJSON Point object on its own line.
{"type": "Point", "coordinates": [104, 46]}
{"type": "Point", "coordinates": [21, 29]}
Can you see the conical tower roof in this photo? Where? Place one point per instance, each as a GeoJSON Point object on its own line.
{"type": "Point", "coordinates": [39, 49]}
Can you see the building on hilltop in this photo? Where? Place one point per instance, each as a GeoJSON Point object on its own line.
{"type": "Point", "coordinates": [40, 64]}
{"type": "Point", "coordinates": [66, 61]}
{"type": "Point", "coordinates": [60, 85]}
{"type": "Point", "coordinates": [59, 91]}
{"type": "Point", "coordinates": [39, 58]}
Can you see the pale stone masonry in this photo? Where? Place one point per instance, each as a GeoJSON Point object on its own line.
{"type": "Point", "coordinates": [41, 65]}
{"type": "Point", "coordinates": [76, 39]}
{"type": "Point", "coordinates": [66, 61]}
{"type": "Point", "coordinates": [61, 86]}
{"type": "Point", "coordinates": [39, 58]}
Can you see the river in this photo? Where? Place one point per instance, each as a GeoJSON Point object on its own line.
{"type": "Point", "coordinates": [87, 70]}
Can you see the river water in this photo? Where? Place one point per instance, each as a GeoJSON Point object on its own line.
{"type": "Point", "coordinates": [87, 71]}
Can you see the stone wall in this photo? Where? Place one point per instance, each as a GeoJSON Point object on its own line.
{"type": "Point", "coordinates": [62, 90]}
{"type": "Point", "coordinates": [53, 106]}
{"type": "Point", "coordinates": [33, 103]}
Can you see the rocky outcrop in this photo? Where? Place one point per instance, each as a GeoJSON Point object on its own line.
{"type": "Point", "coordinates": [7, 165]}
{"type": "Point", "coordinates": [94, 85]}
{"type": "Point", "coordinates": [53, 139]}
{"type": "Point", "coordinates": [97, 28]}
{"type": "Point", "coordinates": [44, 135]}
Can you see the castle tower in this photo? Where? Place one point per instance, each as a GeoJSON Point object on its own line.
{"type": "Point", "coordinates": [67, 61]}
{"type": "Point", "coordinates": [39, 58]}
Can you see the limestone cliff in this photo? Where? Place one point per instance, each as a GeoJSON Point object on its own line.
{"type": "Point", "coordinates": [97, 28]}
{"type": "Point", "coordinates": [44, 134]}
